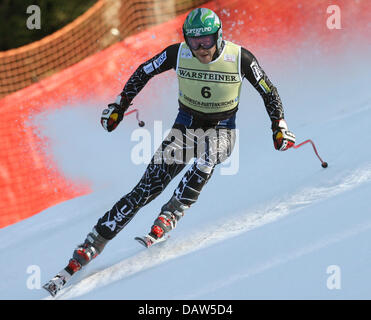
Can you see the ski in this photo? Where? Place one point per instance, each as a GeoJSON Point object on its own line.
{"type": "Point", "coordinates": [58, 282]}
{"type": "Point", "coordinates": [149, 241]}
{"type": "Point", "coordinates": [54, 285]}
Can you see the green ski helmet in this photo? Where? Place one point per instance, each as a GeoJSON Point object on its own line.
{"type": "Point", "coordinates": [201, 22]}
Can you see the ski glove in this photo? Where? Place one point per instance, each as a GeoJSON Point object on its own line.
{"type": "Point", "coordinates": [114, 113]}
{"type": "Point", "coordinates": [283, 139]}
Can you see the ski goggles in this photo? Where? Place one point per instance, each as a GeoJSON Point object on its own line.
{"type": "Point", "coordinates": [205, 42]}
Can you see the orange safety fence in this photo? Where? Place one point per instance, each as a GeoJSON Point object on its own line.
{"type": "Point", "coordinates": [107, 22]}
{"type": "Point", "coordinates": [29, 180]}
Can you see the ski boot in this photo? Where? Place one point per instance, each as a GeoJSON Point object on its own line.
{"type": "Point", "coordinates": [167, 220]}
{"type": "Point", "coordinates": [56, 284]}
{"type": "Point", "coordinates": [87, 251]}
{"type": "Point", "coordinates": [83, 254]}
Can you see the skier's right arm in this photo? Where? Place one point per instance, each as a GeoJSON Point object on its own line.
{"type": "Point", "coordinates": [161, 62]}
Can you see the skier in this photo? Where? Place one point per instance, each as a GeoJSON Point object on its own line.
{"type": "Point", "coordinates": [210, 71]}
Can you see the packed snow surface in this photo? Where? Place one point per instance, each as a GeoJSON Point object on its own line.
{"type": "Point", "coordinates": [268, 225]}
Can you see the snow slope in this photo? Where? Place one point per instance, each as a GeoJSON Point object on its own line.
{"type": "Point", "coordinates": [271, 231]}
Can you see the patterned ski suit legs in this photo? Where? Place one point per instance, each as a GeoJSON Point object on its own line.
{"type": "Point", "coordinates": [208, 147]}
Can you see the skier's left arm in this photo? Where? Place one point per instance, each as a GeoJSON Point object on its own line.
{"type": "Point", "coordinates": [283, 139]}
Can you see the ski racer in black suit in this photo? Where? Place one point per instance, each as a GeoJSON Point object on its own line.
{"type": "Point", "coordinates": [210, 71]}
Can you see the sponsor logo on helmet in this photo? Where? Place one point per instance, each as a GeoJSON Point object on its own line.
{"type": "Point", "coordinates": [198, 31]}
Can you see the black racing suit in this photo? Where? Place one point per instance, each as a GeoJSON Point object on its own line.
{"type": "Point", "coordinates": [215, 148]}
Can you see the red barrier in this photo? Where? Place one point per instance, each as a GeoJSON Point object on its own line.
{"type": "Point", "coordinates": [29, 180]}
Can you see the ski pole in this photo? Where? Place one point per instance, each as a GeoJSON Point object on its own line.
{"type": "Point", "coordinates": [140, 122]}
{"type": "Point", "coordinates": [324, 164]}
